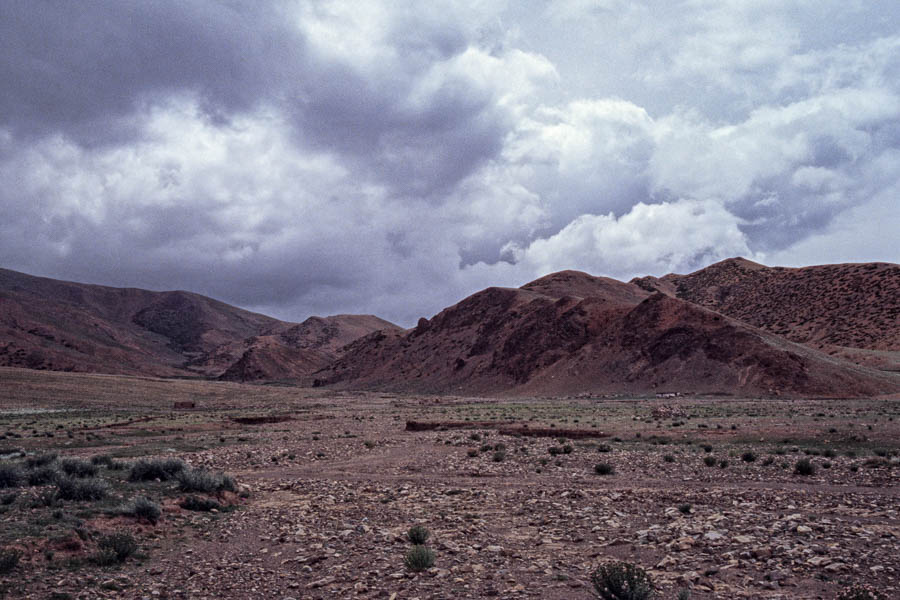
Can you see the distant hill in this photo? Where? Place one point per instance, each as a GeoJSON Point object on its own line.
{"type": "Point", "coordinates": [571, 333]}
{"type": "Point", "coordinates": [300, 350]}
{"type": "Point", "coordinates": [735, 327]}
{"type": "Point", "coordinates": [847, 310]}
{"type": "Point", "coordinates": [66, 326]}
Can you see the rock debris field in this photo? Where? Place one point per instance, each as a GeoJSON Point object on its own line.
{"type": "Point", "coordinates": [709, 498]}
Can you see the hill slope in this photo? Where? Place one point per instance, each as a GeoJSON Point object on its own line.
{"type": "Point", "coordinates": [571, 333]}
{"type": "Point", "coordinates": [849, 310]}
{"type": "Point", "coordinates": [59, 325]}
{"type": "Point", "coordinates": [300, 350]}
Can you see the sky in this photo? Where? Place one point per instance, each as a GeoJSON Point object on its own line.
{"type": "Point", "coordinates": [311, 157]}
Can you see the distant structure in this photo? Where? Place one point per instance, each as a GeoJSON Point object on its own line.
{"type": "Point", "coordinates": [184, 405]}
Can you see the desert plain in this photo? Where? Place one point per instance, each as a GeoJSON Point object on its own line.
{"type": "Point", "coordinates": [523, 497]}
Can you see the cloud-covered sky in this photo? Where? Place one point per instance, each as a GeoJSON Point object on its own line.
{"type": "Point", "coordinates": [317, 157]}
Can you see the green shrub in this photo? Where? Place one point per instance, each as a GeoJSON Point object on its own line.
{"type": "Point", "coordinates": [206, 482]}
{"type": "Point", "coordinates": [604, 448]}
{"type": "Point", "coordinates": [199, 504]}
{"type": "Point", "coordinates": [77, 467]}
{"type": "Point", "coordinates": [723, 464]}
{"type": "Point", "coordinates": [9, 558]}
{"type": "Point", "coordinates": [554, 450]}
{"type": "Point", "coordinates": [499, 456]}
{"type": "Point", "coordinates": [162, 469]}
{"type": "Point", "coordinates": [707, 447]}
{"type": "Point", "coordinates": [472, 452]}
{"type": "Point", "coordinates": [684, 509]}
{"type": "Point", "coordinates": [748, 457]}
{"type": "Point", "coordinates": [104, 460]}
{"type": "Point", "coordinates": [417, 534]}
{"type": "Point", "coordinates": [41, 460]}
{"type": "Point", "coordinates": [80, 490]}
{"type": "Point", "coordinates": [10, 475]}
{"type": "Point", "coordinates": [568, 449]}
{"type": "Point", "coordinates": [768, 461]}
{"type": "Point", "coordinates": [42, 475]}
{"type": "Point", "coordinates": [709, 461]}
{"type": "Point", "coordinates": [622, 581]}
{"type": "Point", "coordinates": [115, 548]}
{"type": "Point", "coordinates": [604, 469]}
{"type": "Point", "coordinates": [7, 499]}
{"type": "Point", "coordinates": [860, 591]}
{"type": "Point", "coordinates": [669, 458]}
{"type": "Point", "coordinates": [143, 508]}
{"type": "Point", "coordinates": [804, 467]}
{"type": "Point", "coordinates": [418, 558]}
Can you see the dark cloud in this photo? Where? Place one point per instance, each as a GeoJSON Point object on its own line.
{"type": "Point", "coordinates": [335, 156]}
{"type": "Point", "coordinates": [84, 67]}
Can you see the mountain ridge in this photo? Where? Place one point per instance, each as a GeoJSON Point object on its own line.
{"type": "Point", "coordinates": [733, 327]}
{"type": "Point", "coordinates": [61, 325]}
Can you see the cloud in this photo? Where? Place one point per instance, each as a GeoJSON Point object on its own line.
{"type": "Point", "coordinates": [674, 236]}
{"type": "Point", "coordinates": [312, 157]}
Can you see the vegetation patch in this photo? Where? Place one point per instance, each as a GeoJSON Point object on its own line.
{"type": "Point", "coordinates": [10, 475]}
{"type": "Point", "coordinates": [622, 581]}
{"type": "Point", "coordinates": [419, 558]}
{"type": "Point", "coordinates": [159, 469]}
{"type": "Point", "coordinates": [197, 504]}
{"type": "Point", "coordinates": [206, 482]}
{"type": "Point", "coordinates": [115, 548]}
{"type": "Point", "coordinates": [143, 508]}
{"type": "Point", "coordinates": [81, 490]}
{"type": "Point", "coordinates": [9, 558]}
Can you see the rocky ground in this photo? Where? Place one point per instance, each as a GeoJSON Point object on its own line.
{"type": "Point", "coordinates": [336, 481]}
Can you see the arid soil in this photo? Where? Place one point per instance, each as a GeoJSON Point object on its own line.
{"type": "Point", "coordinates": [335, 480]}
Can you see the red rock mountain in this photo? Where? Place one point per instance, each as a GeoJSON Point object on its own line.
{"type": "Point", "coordinates": [58, 325]}
{"type": "Point", "coordinates": [846, 310]}
{"type": "Point", "coordinates": [735, 327]}
{"type": "Point", "coordinates": [300, 350]}
{"type": "Point", "coordinates": [573, 333]}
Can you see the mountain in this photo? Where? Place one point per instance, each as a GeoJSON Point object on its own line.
{"type": "Point", "coordinates": [59, 325]}
{"type": "Point", "coordinates": [846, 310]}
{"type": "Point", "coordinates": [735, 327]}
{"type": "Point", "coordinates": [571, 333]}
{"type": "Point", "coordinates": [300, 350]}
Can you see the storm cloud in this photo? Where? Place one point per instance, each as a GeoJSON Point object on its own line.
{"type": "Point", "coordinates": [316, 157]}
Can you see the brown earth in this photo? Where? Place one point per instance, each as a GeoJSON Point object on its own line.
{"type": "Point", "coordinates": [571, 333]}
{"type": "Point", "coordinates": [333, 490]}
{"type": "Point", "coordinates": [65, 326]}
{"type": "Point", "coordinates": [847, 310]}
